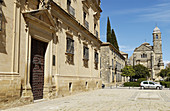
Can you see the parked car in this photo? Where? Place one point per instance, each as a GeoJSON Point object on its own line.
{"type": "Point", "coordinates": [150, 85]}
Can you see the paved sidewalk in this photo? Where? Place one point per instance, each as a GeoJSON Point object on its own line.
{"type": "Point", "coordinates": [106, 100]}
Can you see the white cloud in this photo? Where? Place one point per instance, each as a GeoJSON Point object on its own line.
{"type": "Point", "coordinates": [157, 13]}
{"type": "Point", "coordinates": [166, 62]}
{"type": "Point", "coordinates": [126, 48]}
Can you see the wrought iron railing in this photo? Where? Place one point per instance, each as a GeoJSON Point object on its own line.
{"type": "Point", "coordinates": [71, 10]}
{"type": "Point", "coordinates": [96, 34]}
{"type": "Point", "coordinates": [86, 24]}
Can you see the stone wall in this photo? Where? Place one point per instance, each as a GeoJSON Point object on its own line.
{"type": "Point", "coordinates": [10, 90]}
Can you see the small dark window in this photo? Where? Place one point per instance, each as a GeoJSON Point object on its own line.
{"type": "Point", "coordinates": [70, 86]}
{"type": "Point", "coordinates": [68, 2]}
{"type": "Point", "coordinates": [156, 36]}
{"type": "Point", "coordinates": [85, 15]}
{"type": "Point", "coordinates": [53, 60]}
{"type": "Point", "coordinates": [95, 26]}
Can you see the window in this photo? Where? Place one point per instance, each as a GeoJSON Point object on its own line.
{"type": "Point", "coordinates": [144, 55]}
{"type": "Point", "coordinates": [70, 9]}
{"type": "Point", "coordinates": [70, 50]}
{"type": "Point", "coordinates": [86, 24]}
{"type": "Point", "coordinates": [69, 2]}
{"type": "Point", "coordinates": [84, 15]}
{"type": "Point", "coordinates": [95, 30]}
{"type": "Point", "coordinates": [95, 26]}
{"type": "Point", "coordinates": [85, 55]}
{"type": "Point", "coordinates": [156, 36]}
{"type": "Point", "coordinates": [96, 61]}
{"type": "Point", "coordinates": [70, 46]}
{"type": "Point", "coordinates": [70, 86]}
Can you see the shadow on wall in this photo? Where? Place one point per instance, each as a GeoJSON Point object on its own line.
{"type": "Point", "coordinates": [3, 22]}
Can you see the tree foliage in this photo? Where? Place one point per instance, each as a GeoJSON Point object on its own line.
{"type": "Point", "coordinates": [111, 37]}
{"type": "Point", "coordinates": [128, 71]}
{"type": "Point", "coordinates": [108, 30]}
{"type": "Point", "coordinates": [141, 71]}
{"type": "Point", "coordinates": [164, 73]}
{"type": "Point", "coordinates": [168, 65]}
{"type": "Point", "coordinates": [114, 40]}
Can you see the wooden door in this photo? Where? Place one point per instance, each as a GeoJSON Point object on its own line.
{"type": "Point", "coordinates": [38, 50]}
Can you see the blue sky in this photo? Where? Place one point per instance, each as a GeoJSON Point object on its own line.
{"type": "Point", "coordinates": [134, 21]}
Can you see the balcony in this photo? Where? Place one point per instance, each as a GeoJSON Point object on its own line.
{"type": "Point", "coordinates": [86, 24]}
{"type": "Point", "coordinates": [71, 10]}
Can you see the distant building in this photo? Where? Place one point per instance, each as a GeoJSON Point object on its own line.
{"type": "Point", "coordinates": [112, 61]}
{"type": "Point", "coordinates": [150, 56]}
{"type": "Point", "coordinates": [125, 55]}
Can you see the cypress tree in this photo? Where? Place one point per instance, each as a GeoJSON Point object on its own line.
{"type": "Point", "coordinates": [108, 30]}
{"type": "Point", "coordinates": [114, 40]}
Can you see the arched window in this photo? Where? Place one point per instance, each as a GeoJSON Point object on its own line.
{"type": "Point", "coordinates": [144, 55]}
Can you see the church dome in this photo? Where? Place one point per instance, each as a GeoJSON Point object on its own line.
{"type": "Point", "coordinates": [156, 30]}
{"type": "Point", "coordinates": [145, 43]}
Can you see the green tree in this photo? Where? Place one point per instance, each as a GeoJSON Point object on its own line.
{"type": "Point", "coordinates": [163, 73]}
{"type": "Point", "coordinates": [108, 30]}
{"type": "Point", "coordinates": [141, 71]}
{"type": "Point", "coordinates": [128, 71]}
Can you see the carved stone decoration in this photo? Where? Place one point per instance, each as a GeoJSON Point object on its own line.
{"type": "Point", "coordinates": [45, 4]}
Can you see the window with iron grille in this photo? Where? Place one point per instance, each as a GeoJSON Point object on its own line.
{"type": "Point", "coordinates": [70, 46]}
{"type": "Point", "coordinates": [96, 59]}
{"type": "Point", "coordinates": [70, 51]}
{"type": "Point", "coordinates": [86, 23]}
{"type": "Point", "coordinates": [85, 56]}
{"type": "Point", "coordinates": [86, 53]}
{"type": "Point", "coordinates": [70, 9]}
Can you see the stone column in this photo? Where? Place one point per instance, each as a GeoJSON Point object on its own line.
{"type": "Point", "coordinates": [27, 93]}
{"type": "Point", "coordinates": [48, 71]}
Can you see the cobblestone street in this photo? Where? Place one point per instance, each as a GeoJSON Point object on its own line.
{"type": "Point", "coordinates": [106, 100]}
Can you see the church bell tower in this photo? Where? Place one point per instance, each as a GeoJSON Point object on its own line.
{"type": "Point", "coordinates": [157, 48]}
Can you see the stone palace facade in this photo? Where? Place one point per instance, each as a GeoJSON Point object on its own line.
{"type": "Point", "coordinates": [48, 49]}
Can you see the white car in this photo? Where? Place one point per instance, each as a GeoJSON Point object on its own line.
{"type": "Point", "coordinates": [150, 84]}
